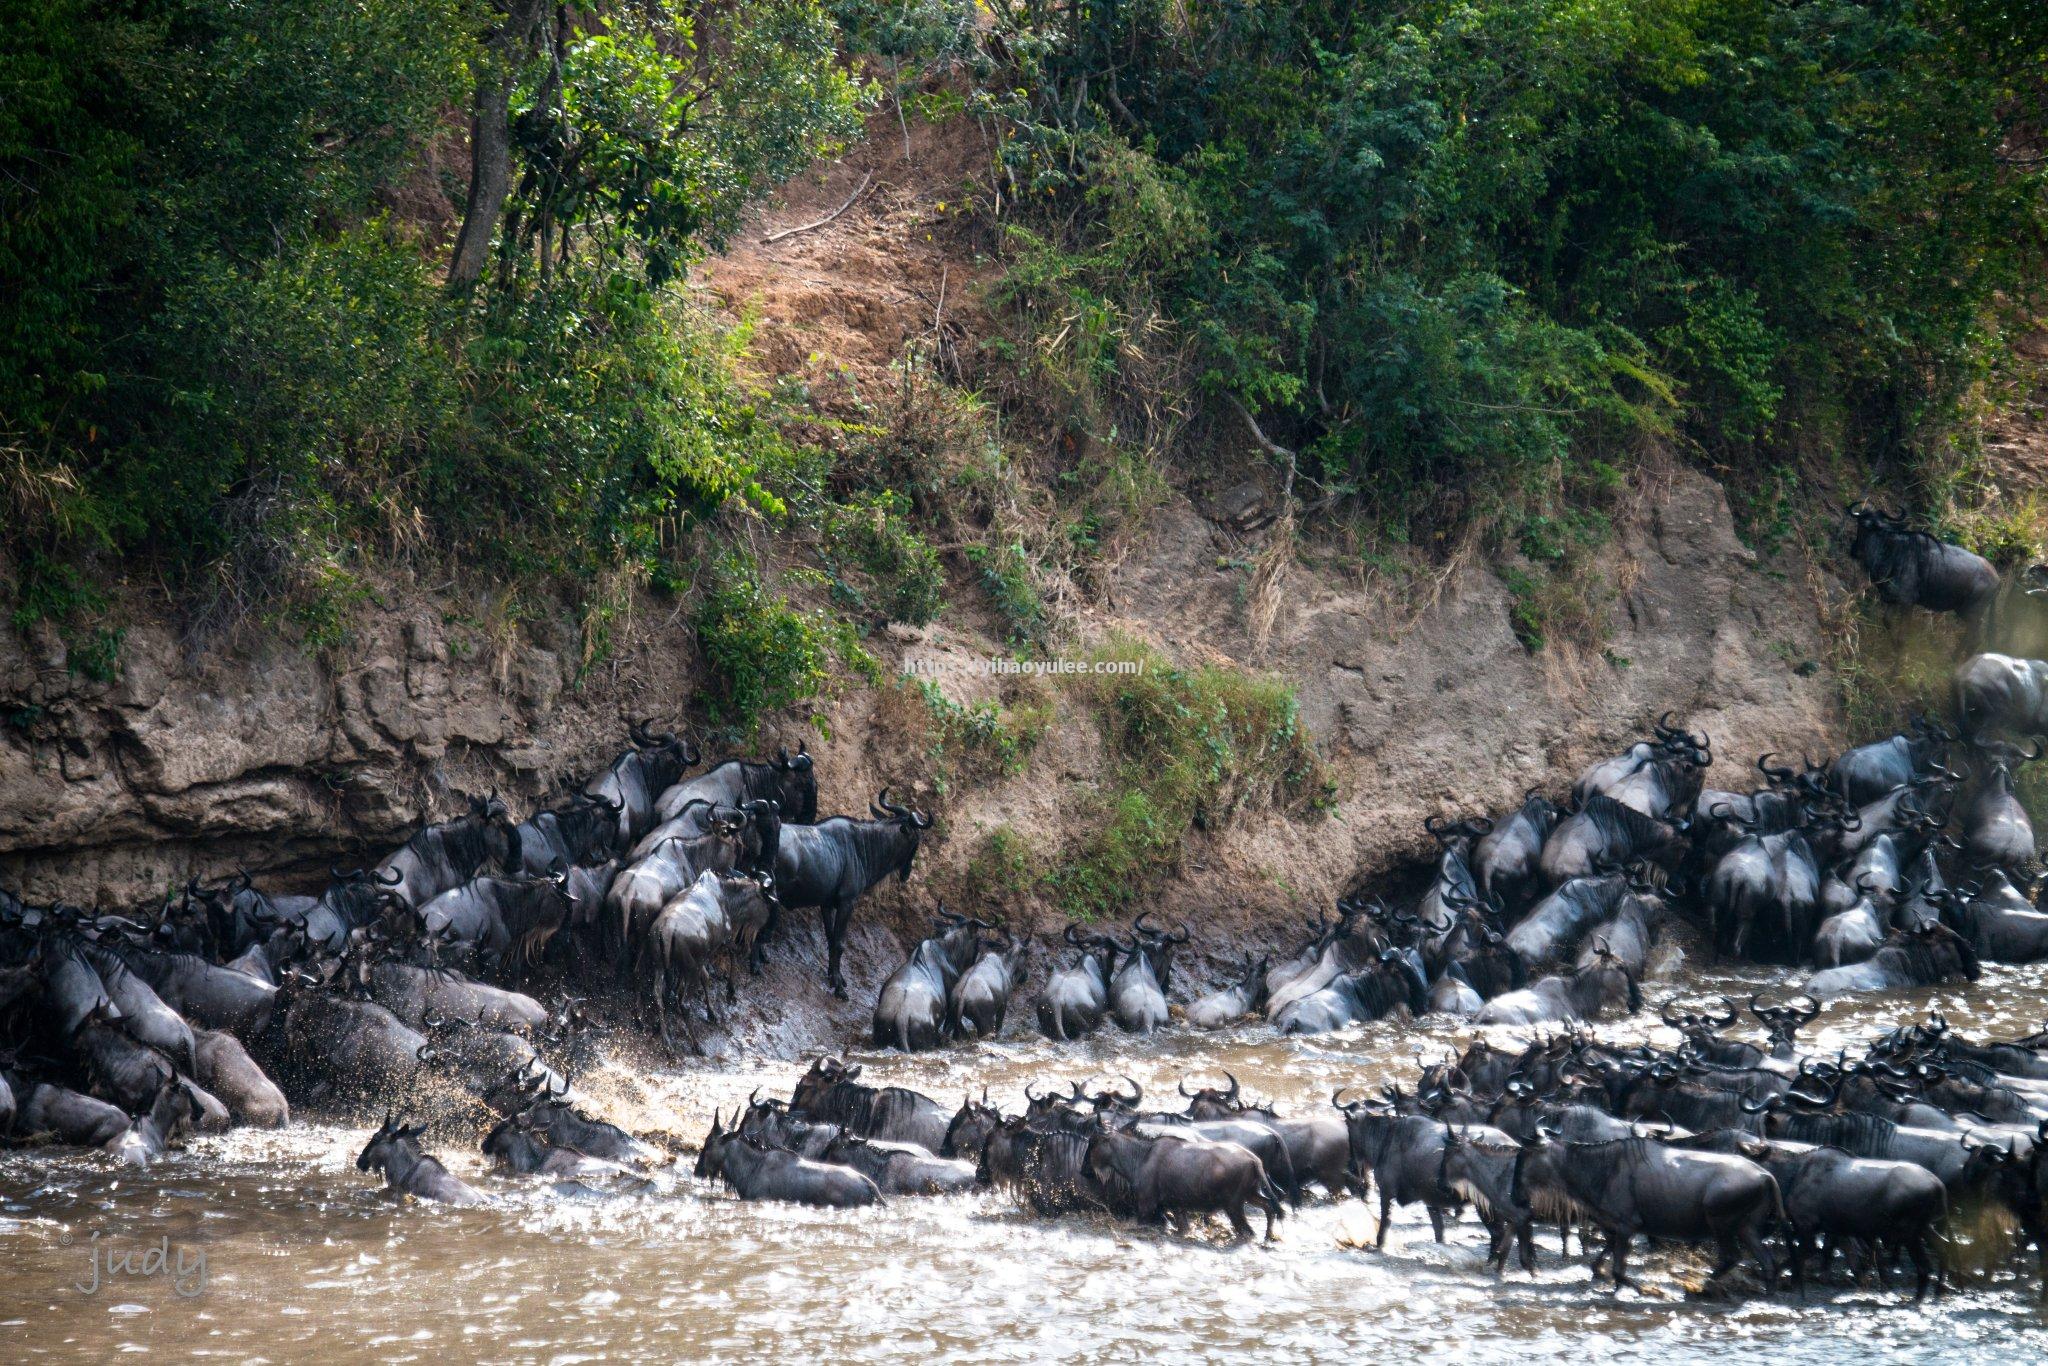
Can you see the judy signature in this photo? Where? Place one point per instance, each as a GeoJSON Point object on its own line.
{"type": "Point", "coordinates": [184, 1268]}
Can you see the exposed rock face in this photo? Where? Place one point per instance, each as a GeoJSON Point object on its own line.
{"type": "Point", "coordinates": [282, 762]}
{"type": "Point", "coordinates": [1451, 713]}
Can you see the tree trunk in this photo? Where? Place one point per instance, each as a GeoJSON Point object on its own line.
{"type": "Point", "coordinates": [490, 141]}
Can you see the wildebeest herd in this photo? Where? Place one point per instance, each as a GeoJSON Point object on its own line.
{"type": "Point", "coordinates": [1905, 862]}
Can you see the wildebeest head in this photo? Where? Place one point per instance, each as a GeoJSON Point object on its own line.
{"type": "Point", "coordinates": [1155, 947]}
{"type": "Point", "coordinates": [825, 1073]}
{"type": "Point", "coordinates": [798, 783]}
{"type": "Point", "coordinates": [910, 821]}
{"type": "Point", "coordinates": [971, 1126]}
{"type": "Point", "coordinates": [663, 757]}
{"type": "Point", "coordinates": [392, 1136]}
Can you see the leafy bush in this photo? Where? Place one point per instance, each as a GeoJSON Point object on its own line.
{"type": "Point", "coordinates": [1448, 251]}
{"type": "Point", "coordinates": [1189, 747]}
{"type": "Point", "coordinates": [879, 565]}
{"type": "Point", "coordinates": [764, 653]}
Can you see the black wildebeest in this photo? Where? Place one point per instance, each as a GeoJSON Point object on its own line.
{"type": "Point", "coordinates": [1605, 834]}
{"type": "Point", "coordinates": [1507, 861]}
{"type": "Point", "coordinates": [831, 1090]}
{"type": "Point", "coordinates": [444, 856]}
{"type": "Point", "coordinates": [1762, 895]}
{"type": "Point", "coordinates": [1161, 1177]}
{"type": "Point", "coordinates": [1912, 958]}
{"type": "Point", "coordinates": [1999, 692]}
{"type": "Point", "coordinates": [832, 864]}
{"type": "Point", "coordinates": [980, 1000]}
{"type": "Point", "coordinates": [911, 1010]}
{"type": "Point", "coordinates": [897, 1170]}
{"type": "Point", "coordinates": [583, 832]}
{"type": "Point", "coordinates": [1227, 1005]}
{"type": "Point", "coordinates": [504, 921]}
{"type": "Point", "coordinates": [1394, 981]}
{"type": "Point", "coordinates": [1637, 1186]}
{"type": "Point", "coordinates": [1867, 772]}
{"type": "Point", "coordinates": [395, 1150]}
{"type": "Point", "coordinates": [1076, 998]}
{"type": "Point", "coordinates": [1996, 830]}
{"type": "Point", "coordinates": [1604, 984]}
{"type": "Point", "coordinates": [1910, 568]}
{"type": "Point", "coordinates": [226, 1069]}
{"type": "Point", "coordinates": [1554, 927]}
{"type": "Point", "coordinates": [756, 1172]}
{"type": "Point", "coordinates": [1137, 993]}
{"type": "Point", "coordinates": [637, 778]}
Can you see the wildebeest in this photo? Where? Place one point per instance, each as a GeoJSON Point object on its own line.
{"type": "Point", "coordinates": [444, 856]}
{"type": "Point", "coordinates": [2001, 925]}
{"type": "Point", "coordinates": [1762, 894]}
{"type": "Point", "coordinates": [1046, 1168]}
{"type": "Point", "coordinates": [1915, 958]}
{"type": "Point", "coordinates": [1999, 692]}
{"type": "Point", "coordinates": [1604, 984]}
{"type": "Point", "coordinates": [1318, 1146]}
{"type": "Point", "coordinates": [1639, 1186]}
{"type": "Point", "coordinates": [1229, 1004]}
{"type": "Point", "coordinates": [1553, 928]}
{"type": "Point", "coordinates": [218, 997]}
{"type": "Point", "coordinates": [1910, 568]}
{"type": "Point", "coordinates": [1156, 1177]}
{"type": "Point", "coordinates": [1137, 993]}
{"type": "Point", "coordinates": [581, 833]}
{"type": "Point", "coordinates": [651, 882]}
{"type": "Point", "coordinates": [639, 776]}
{"type": "Point", "coordinates": [911, 1010]}
{"type": "Point", "coordinates": [1867, 772]}
{"type": "Point", "coordinates": [832, 864]}
{"type": "Point", "coordinates": [144, 1016]}
{"type": "Point", "coordinates": [153, 1132]}
{"type": "Point", "coordinates": [897, 1170]}
{"type": "Point", "coordinates": [503, 921]}
{"type": "Point", "coordinates": [980, 1000]}
{"type": "Point", "coordinates": [395, 1150]}
{"type": "Point", "coordinates": [789, 781]}
{"type": "Point", "coordinates": [1605, 834]}
{"type": "Point", "coordinates": [1507, 861]}
{"type": "Point", "coordinates": [513, 1147]}
{"type": "Point", "coordinates": [1075, 999]}
{"type": "Point", "coordinates": [831, 1090]}
{"type": "Point", "coordinates": [1403, 1154]}
{"type": "Point", "coordinates": [677, 948]}
{"type": "Point", "coordinates": [226, 1069]}
{"type": "Point", "coordinates": [1849, 936]}
{"type": "Point", "coordinates": [413, 993]}
{"type": "Point", "coordinates": [1996, 830]}
{"type": "Point", "coordinates": [756, 1172]}
{"type": "Point", "coordinates": [1394, 982]}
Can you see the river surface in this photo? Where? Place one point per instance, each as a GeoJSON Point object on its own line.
{"type": "Point", "coordinates": [305, 1256]}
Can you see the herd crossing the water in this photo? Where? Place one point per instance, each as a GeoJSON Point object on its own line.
{"type": "Point", "coordinates": [1907, 862]}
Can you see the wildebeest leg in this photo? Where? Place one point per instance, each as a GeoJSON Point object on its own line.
{"type": "Point", "coordinates": [1241, 1227]}
{"type": "Point", "coordinates": [1799, 1246]}
{"type": "Point", "coordinates": [1922, 1266]}
{"type": "Point", "coordinates": [1271, 1206]}
{"type": "Point", "coordinates": [1386, 1215]}
{"type": "Point", "coordinates": [1882, 1263]}
{"type": "Point", "coordinates": [1436, 1220]}
{"type": "Point", "coordinates": [1727, 1252]}
{"type": "Point", "coordinates": [1526, 1236]}
{"type": "Point", "coordinates": [1617, 1243]}
{"type": "Point", "coordinates": [835, 917]}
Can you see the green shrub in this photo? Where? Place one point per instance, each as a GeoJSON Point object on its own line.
{"type": "Point", "coordinates": [879, 566]}
{"type": "Point", "coordinates": [764, 653]}
{"type": "Point", "coordinates": [1188, 747]}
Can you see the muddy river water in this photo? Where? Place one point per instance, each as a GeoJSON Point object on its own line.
{"type": "Point", "coordinates": [304, 1256]}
